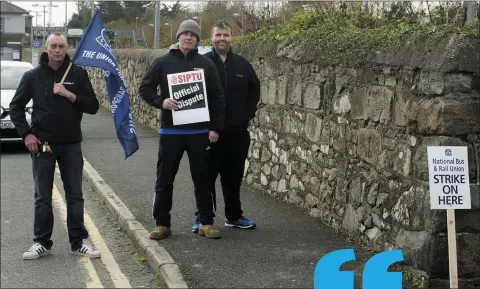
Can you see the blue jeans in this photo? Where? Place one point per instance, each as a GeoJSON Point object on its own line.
{"type": "Point", "coordinates": [70, 163]}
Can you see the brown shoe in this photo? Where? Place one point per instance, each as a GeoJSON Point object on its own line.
{"type": "Point", "coordinates": [160, 232]}
{"type": "Point", "coordinates": [209, 231]}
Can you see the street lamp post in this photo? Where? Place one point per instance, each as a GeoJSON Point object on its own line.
{"type": "Point", "coordinates": [171, 33]}
{"type": "Point", "coordinates": [156, 36]}
{"type": "Point", "coordinates": [36, 20]}
{"type": "Point", "coordinates": [44, 16]}
{"type": "Point", "coordinates": [66, 19]}
{"type": "Point", "coordinates": [93, 8]}
{"type": "Point", "coordinates": [31, 34]}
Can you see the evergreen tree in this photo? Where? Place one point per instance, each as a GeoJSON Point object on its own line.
{"type": "Point", "coordinates": [82, 17]}
{"type": "Point", "coordinates": [111, 11]}
{"type": "Point", "coordinates": [134, 9]}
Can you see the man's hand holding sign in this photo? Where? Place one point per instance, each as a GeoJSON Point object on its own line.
{"type": "Point", "coordinates": [170, 103]}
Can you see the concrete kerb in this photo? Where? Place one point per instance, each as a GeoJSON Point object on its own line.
{"type": "Point", "coordinates": [158, 258]}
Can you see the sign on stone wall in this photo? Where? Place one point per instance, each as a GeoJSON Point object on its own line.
{"type": "Point", "coordinates": [448, 175]}
{"type": "Point", "coordinates": [449, 190]}
{"type": "Point", "coordinates": [189, 90]}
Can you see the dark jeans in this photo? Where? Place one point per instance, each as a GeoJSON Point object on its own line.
{"type": "Point", "coordinates": [228, 159]}
{"type": "Point", "coordinates": [171, 149]}
{"type": "Point", "coordinates": [70, 163]}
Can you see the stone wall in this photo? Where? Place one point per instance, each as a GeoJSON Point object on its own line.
{"type": "Point", "coordinates": [133, 64]}
{"type": "Point", "coordinates": [347, 143]}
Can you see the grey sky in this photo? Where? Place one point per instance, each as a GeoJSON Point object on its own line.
{"type": "Point", "coordinates": [59, 12]}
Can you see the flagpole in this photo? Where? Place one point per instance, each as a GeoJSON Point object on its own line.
{"type": "Point", "coordinates": [66, 72]}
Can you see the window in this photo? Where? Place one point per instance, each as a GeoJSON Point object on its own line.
{"type": "Point", "coordinates": [2, 24]}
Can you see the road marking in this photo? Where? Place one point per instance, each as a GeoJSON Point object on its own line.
{"type": "Point", "coordinates": [118, 278]}
{"type": "Point", "coordinates": [59, 204]}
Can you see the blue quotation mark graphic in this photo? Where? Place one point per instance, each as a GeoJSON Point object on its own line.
{"type": "Point", "coordinates": [375, 273]}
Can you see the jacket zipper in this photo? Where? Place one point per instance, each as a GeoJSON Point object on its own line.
{"type": "Point", "coordinates": [226, 75]}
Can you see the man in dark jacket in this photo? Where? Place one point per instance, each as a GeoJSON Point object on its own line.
{"type": "Point", "coordinates": [242, 93]}
{"type": "Point", "coordinates": [55, 136]}
{"type": "Point", "coordinates": [196, 137]}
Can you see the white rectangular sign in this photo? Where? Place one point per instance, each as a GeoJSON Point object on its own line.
{"type": "Point", "coordinates": [448, 176]}
{"type": "Point", "coordinates": [16, 55]}
{"type": "Point", "coordinates": [189, 90]}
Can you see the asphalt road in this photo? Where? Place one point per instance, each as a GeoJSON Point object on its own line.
{"type": "Point", "coordinates": [281, 252]}
{"type": "Point", "coordinates": [119, 266]}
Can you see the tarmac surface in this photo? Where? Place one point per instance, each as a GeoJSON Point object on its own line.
{"type": "Point", "coordinates": [281, 252]}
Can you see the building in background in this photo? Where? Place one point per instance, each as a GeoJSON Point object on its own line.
{"type": "Point", "coordinates": [14, 31]}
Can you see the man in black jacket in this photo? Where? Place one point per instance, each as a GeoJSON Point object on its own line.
{"type": "Point", "coordinates": [242, 93]}
{"type": "Point", "coordinates": [196, 138]}
{"type": "Point", "coordinates": [55, 136]}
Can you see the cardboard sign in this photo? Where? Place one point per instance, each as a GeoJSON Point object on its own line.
{"type": "Point", "coordinates": [448, 176]}
{"type": "Point", "coordinates": [189, 90]}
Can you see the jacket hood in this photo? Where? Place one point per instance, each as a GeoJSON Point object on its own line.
{"type": "Point", "coordinates": [44, 59]}
{"type": "Point", "coordinates": [175, 49]}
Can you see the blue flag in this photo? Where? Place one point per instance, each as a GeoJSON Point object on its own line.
{"type": "Point", "coordinates": [95, 51]}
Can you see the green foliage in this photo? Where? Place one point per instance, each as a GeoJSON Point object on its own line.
{"type": "Point", "coordinates": [118, 24]}
{"type": "Point", "coordinates": [338, 35]}
{"type": "Point", "coordinates": [82, 17]}
{"type": "Point", "coordinates": [141, 259]}
{"type": "Point", "coordinates": [205, 42]}
{"type": "Point", "coordinates": [134, 9]}
{"type": "Point", "coordinates": [300, 22]}
{"type": "Point", "coordinates": [111, 10]}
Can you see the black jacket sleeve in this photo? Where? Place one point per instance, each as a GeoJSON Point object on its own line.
{"type": "Point", "coordinates": [148, 87]}
{"type": "Point", "coordinates": [22, 96]}
{"type": "Point", "coordinates": [86, 100]}
{"type": "Point", "coordinates": [216, 102]}
{"type": "Point", "coordinates": [253, 92]}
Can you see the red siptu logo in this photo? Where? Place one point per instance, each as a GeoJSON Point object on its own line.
{"type": "Point", "coordinates": [174, 79]}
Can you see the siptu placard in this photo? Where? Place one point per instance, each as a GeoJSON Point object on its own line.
{"type": "Point", "coordinates": [448, 174]}
{"type": "Point", "coordinates": [189, 90]}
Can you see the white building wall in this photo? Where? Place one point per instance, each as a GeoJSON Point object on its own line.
{"type": "Point", "coordinates": [14, 23]}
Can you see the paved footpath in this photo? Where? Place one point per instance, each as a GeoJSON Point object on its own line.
{"type": "Point", "coordinates": [281, 252]}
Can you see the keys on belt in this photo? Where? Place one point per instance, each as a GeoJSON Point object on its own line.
{"type": "Point", "coordinates": [45, 148]}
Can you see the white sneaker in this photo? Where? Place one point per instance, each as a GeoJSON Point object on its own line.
{"type": "Point", "coordinates": [87, 250]}
{"type": "Point", "coordinates": [35, 252]}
